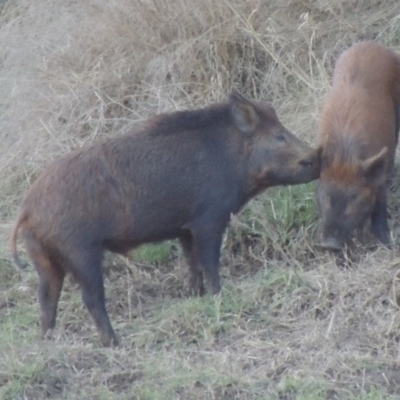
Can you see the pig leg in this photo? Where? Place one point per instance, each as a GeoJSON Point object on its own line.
{"type": "Point", "coordinates": [196, 282]}
{"type": "Point", "coordinates": [207, 247]}
{"type": "Point", "coordinates": [87, 271]}
{"type": "Point", "coordinates": [391, 177]}
{"type": "Point", "coordinates": [50, 283]}
{"type": "Point", "coordinates": [379, 224]}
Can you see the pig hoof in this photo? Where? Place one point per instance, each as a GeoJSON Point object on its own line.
{"type": "Point", "coordinates": [386, 242]}
{"type": "Point", "coordinates": [331, 244]}
{"type": "Point", "coordinates": [196, 285]}
{"type": "Point", "coordinates": [109, 341]}
{"type": "Point", "coordinates": [48, 334]}
{"type": "Point", "coordinates": [214, 288]}
{"type": "Point", "coordinates": [196, 291]}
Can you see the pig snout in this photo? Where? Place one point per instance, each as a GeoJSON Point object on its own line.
{"type": "Point", "coordinates": [309, 165]}
{"type": "Point", "coordinates": [333, 237]}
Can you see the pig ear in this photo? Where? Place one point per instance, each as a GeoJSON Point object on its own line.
{"type": "Point", "coordinates": [374, 168]}
{"type": "Point", "coordinates": [244, 114]}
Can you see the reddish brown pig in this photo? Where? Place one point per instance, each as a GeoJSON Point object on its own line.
{"type": "Point", "coordinates": [181, 176]}
{"type": "Point", "coordinates": [358, 132]}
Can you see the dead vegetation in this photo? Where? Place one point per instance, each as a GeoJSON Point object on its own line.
{"type": "Point", "coordinates": [292, 322]}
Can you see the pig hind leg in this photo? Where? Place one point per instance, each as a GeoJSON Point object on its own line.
{"type": "Point", "coordinates": [391, 181]}
{"type": "Point", "coordinates": [85, 266]}
{"type": "Point", "coordinates": [51, 278]}
{"type": "Point", "coordinates": [196, 282]}
{"type": "Point", "coordinates": [379, 217]}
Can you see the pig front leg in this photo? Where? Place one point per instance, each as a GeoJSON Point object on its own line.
{"type": "Point", "coordinates": [379, 224]}
{"type": "Point", "coordinates": [196, 282]}
{"type": "Point", "coordinates": [206, 249]}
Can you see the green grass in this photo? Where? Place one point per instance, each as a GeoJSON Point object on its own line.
{"type": "Point", "coordinates": [300, 389]}
{"type": "Point", "coordinates": [19, 376]}
{"type": "Point", "coordinates": [158, 253]}
{"type": "Point", "coordinates": [17, 325]}
{"type": "Point", "coordinates": [285, 209]}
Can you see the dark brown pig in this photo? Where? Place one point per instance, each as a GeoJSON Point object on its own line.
{"type": "Point", "coordinates": [358, 132]}
{"type": "Point", "coordinates": [181, 176]}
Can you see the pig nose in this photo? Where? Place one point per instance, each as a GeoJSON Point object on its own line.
{"type": "Point", "coordinates": [331, 243]}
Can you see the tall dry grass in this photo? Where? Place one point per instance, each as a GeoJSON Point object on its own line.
{"type": "Point", "coordinates": [72, 72]}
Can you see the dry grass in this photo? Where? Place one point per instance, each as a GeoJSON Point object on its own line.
{"type": "Point", "coordinates": [291, 323]}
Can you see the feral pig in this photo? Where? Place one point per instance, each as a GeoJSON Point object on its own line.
{"type": "Point", "coordinates": [181, 176]}
{"type": "Point", "coordinates": [358, 133]}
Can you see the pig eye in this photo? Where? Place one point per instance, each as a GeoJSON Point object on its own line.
{"type": "Point", "coordinates": [353, 197]}
{"type": "Point", "coordinates": [281, 137]}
